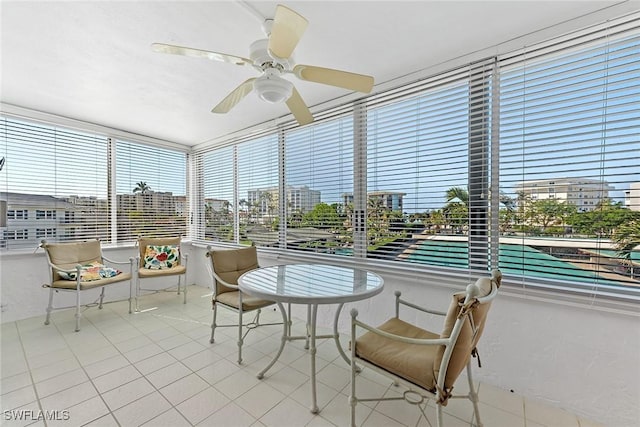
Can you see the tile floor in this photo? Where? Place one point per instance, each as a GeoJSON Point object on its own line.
{"type": "Point", "coordinates": [157, 368]}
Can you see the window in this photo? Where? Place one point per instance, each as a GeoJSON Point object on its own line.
{"type": "Point", "coordinates": [319, 182]}
{"type": "Point", "coordinates": [151, 191]}
{"type": "Point", "coordinates": [42, 169]}
{"type": "Point", "coordinates": [431, 149]}
{"type": "Point", "coordinates": [569, 116]}
{"type": "Point", "coordinates": [62, 174]}
{"type": "Point", "coordinates": [18, 214]}
{"type": "Point", "coordinates": [45, 214]}
{"type": "Point", "coordinates": [217, 187]}
{"type": "Point", "coordinates": [258, 191]}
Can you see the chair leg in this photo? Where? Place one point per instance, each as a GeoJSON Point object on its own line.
{"type": "Point", "coordinates": [240, 336]}
{"type": "Point", "coordinates": [49, 307]}
{"type": "Point", "coordinates": [213, 323]}
{"type": "Point", "coordinates": [78, 310]}
{"type": "Point", "coordinates": [137, 293]}
{"type": "Point", "coordinates": [184, 291]}
{"type": "Point", "coordinates": [473, 396]}
{"type": "Point", "coordinates": [439, 415]}
{"type": "Point", "coordinates": [101, 298]}
{"type": "Point", "coordinates": [306, 341]}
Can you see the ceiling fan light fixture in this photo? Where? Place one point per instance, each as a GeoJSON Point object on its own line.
{"type": "Point", "coordinates": [273, 89]}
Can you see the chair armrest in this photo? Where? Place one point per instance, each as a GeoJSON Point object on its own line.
{"type": "Point", "coordinates": [227, 284]}
{"type": "Point", "coordinates": [400, 301]}
{"type": "Point", "coordinates": [129, 261]}
{"type": "Point", "coordinates": [420, 341]}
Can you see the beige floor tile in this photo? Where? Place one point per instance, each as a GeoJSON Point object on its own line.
{"type": "Point", "coordinates": [260, 399]}
{"type": "Point", "coordinates": [127, 393]}
{"type": "Point", "coordinates": [102, 367]}
{"type": "Point", "coordinates": [170, 418]}
{"type": "Point", "coordinates": [237, 384]}
{"type": "Point", "coordinates": [168, 374]}
{"type": "Point", "coordinates": [231, 415]}
{"type": "Point", "coordinates": [287, 413]}
{"type": "Point", "coordinates": [143, 352]}
{"type": "Point", "coordinates": [83, 413]}
{"type": "Point", "coordinates": [70, 397]}
{"type": "Point", "coordinates": [142, 410]}
{"type": "Point", "coordinates": [184, 388]}
{"type": "Point", "coordinates": [17, 398]}
{"type": "Point", "coordinates": [61, 382]}
{"type": "Point", "coordinates": [200, 406]}
{"type": "Point", "coordinates": [116, 378]}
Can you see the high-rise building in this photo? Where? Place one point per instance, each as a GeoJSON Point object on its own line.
{"type": "Point", "coordinates": [584, 193]}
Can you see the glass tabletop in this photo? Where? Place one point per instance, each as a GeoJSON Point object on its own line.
{"type": "Point", "coordinates": [311, 283]}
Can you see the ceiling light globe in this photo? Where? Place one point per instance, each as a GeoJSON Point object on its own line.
{"type": "Point", "coordinates": [273, 89]}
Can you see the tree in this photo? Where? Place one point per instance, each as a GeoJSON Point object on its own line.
{"type": "Point", "coordinates": [458, 193]}
{"type": "Point", "coordinates": [141, 187]}
{"type": "Point", "coordinates": [548, 212]}
{"type": "Point", "coordinates": [603, 220]}
{"type": "Point", "coordinates": [323, 216]}
{"type": "Point", "coordinates": [626, 238]}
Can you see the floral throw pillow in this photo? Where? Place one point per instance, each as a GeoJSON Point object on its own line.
{"type": "Point", "coordinates": [161, 257]}
{"type": "Point", "coordinates": [90, 272]}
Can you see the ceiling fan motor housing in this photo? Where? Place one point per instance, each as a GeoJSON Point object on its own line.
{"type": "Point", "coordinates": [272, 88]}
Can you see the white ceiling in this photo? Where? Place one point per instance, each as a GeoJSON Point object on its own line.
{"type": "Point", "coordinates": [91, 60]}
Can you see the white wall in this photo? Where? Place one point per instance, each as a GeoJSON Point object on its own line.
{"type": "Point", "coordinates": [584, 360]}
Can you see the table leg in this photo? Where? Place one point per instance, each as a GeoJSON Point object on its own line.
{"type": "Point", "coordinates": [312, 350]}
{"type": "Point", "coordinates": [285, 335]}
{"type": "Point", "coordinates": [336, 337]}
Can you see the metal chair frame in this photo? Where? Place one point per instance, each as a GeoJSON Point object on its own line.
{"type": "Point", "coordinates": [415, 394]}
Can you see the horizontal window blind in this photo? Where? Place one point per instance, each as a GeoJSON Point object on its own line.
{"type": "Point", "coordinates": [217, 175]}
{"type": "Point", "coordinates": [417, 173]}
{"type": "Point", "coordinates": [570, 160]}
{"type": "Point", "coordinates": [258, 191]}
{"type": "Point", "coordinates": [319, 186]}
{"type": "Point", "coordinates": [151, 191]}
{"type": "Point", "coordinates": [54, 184]}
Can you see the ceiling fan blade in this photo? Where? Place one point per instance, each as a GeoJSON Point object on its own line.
{"type": "Point", "coordinates": [234, 97]}
{"type": "Point", "coordinates": [198, 53]}
{"type": "Point", "coordinates": [299, 109]}
{"type": "Point", "coordinates": [344, 79]}
{"type": "Point", "coordinates": [286, 31]}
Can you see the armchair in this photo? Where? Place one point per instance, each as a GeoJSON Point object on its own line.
{"type": "Point", "coordinates": [226, 266]}
{"type": "Point", "coordinates": [426, 363]}
{"type": "Point", "coordinates": [80, 266]}
{"type": "Point", "coordinates": [160, 257]}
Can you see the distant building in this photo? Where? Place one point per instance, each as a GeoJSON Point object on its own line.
{"type": "Point", "coordinates": [265, 201]}
{"type": "Point", "coordinates": [632, 197]}
{"type": "Point", "coordinates": [389, 200]}
{"type": "Point", "coordinates": [584, 193]}
{"type": "Point", "coordinates": [30, 218]}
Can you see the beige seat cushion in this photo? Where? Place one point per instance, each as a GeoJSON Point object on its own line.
{"type": "Point", "coordinates": [232, 299]}
{"type": "Point", "coordinates": [69, 254]}
{"type": "Point", "coordinates": [71, 284]}
{"type": "Point", "coordinates": [145, 272]}
{"type": "Point", "coordinates": [230, 264]}
{"type": "Point", "coordinates": [410, 361]}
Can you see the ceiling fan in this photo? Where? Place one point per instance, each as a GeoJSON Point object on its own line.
{"type": "Point", "coordinates": [272, 58]}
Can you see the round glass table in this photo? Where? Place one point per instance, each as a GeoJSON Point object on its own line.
{"type": "Point", "coordinates": [310, 284]}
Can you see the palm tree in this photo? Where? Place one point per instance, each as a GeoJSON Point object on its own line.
{"type": "Point", "coordinates": [626, 238]}
{"type": "Point", "coordinates": [141, 187]}
{"type": "Point", "coordinates": [458, 193]}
